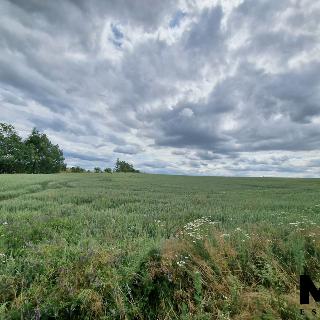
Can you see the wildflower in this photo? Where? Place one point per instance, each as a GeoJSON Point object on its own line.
{"type": "Point", "coordinates": [5, 223]}
{"type": "Point", "coordinates": [181, 263]}
{"type": "Point", "coordinates": [3, 257]}
{"type": "Point", "coordinates": [224, 235]}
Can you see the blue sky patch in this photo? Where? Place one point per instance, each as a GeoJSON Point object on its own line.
{"type": "Point", "coordinates": [176, 19]}
{"type": "Point", "coordinates": [117, 35]}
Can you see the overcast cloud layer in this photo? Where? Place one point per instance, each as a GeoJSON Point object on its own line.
{"type": "Point", "coordinates": [185, 87]}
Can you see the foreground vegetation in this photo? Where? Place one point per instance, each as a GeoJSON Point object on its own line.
{"type": "Point", "coordinates": [127, 246]}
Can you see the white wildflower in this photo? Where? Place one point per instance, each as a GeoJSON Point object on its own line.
{"type": "Point", "coordinates": [224, 235]}
{"type": "Point", "coordinates": [181, 263]}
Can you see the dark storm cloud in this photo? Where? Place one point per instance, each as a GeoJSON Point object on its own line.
{"type": "Point", "coordinates": [272, 111]}
{"type": "Point", "coordinates": [82, 156]}
{"type": "Point", "coordinates": [129, 149]}
{"type": "Point", "coordinates": [207, 155]}
{"type": "Point", "coordinates": [205, 35]}
{"type": "Point", "coordinates": [32, 85]}
{"type": "Point", "coordinates": [145, 13]}
{"type": "Point", "coordinates": [180, 131]}
{"type": "Point", "coordinates": [58, 124]}
{"type": "Point", "coordinates": [207, 84]}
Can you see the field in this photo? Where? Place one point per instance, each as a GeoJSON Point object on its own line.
{"type": "Point", "coordinates": [138, 246]}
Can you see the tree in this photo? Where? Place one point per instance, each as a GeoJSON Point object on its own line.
{"type": "Point", "coordinates": [43, 156]}
{"type": "Point", "coordinates": [97, 170]}
{"type": "Point", "coordinates": [13, 152]}
{"type": "Point", "coordinates": [108, 170]}
{"type": "Point", "coordinates": [123, 166]}
{"type": "Point", "coordinates": [76, 169]}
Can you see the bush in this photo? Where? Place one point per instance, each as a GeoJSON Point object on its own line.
{"type": "Point", "coordinates": [123, 166]}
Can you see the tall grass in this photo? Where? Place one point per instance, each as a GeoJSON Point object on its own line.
{"type": "Point", "coordinates": [126, 246]}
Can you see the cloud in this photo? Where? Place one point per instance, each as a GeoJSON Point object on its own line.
{"type": "Point", "coordinates": [76, 155]}
{"type": "Point", "coordinates": [207, 155]}
{"type": "Point", "coordinates": [130, 149]}
{"type": "Point", "coordinates": [176, 86]}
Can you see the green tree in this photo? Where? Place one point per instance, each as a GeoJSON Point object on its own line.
{"type": "Point", "coordinates": [43, 156]}
{"type": "Point", "coordinates": [97, 170]}
{"type": "Point", "coordinates": [13, 152]}
{"type": "Point", "coordinates": [108, 170]}
{"type": "Point", "coordinates": [76, 169]}
{"type": "Point", "coordinates": [123, 166]}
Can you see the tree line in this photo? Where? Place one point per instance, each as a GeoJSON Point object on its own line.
{"type": "Point", "coordinates": [120, 166]}
{"type": "Point", "coordinates": [37, 154]}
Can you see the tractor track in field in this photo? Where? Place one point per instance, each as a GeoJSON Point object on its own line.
{"type": "Point", "coordinates": [44, 186]}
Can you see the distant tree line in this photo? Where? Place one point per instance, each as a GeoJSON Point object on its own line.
{"type": "Point", "coordinates": [120, 166]}
{"type": "Point", "coordinates": [37, 154]}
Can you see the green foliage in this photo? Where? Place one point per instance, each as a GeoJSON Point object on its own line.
{"type": "Point", "coordinates": [198, 288]}
{"type": "Point", "coordinates": [108, 170]}
{"type": "Point", "coordinates": [34, 155]}
{"type": "Point", "coordinates": [13, 152]}
{"type": "Point", "coordinates": [76, 169]}
{"type": "Point", "coordinates": [127, 246]}
{"type": "Point", "coordinates": [123, 166]}
{"type": "Point", "coordinates": [97, 170]}
{"type": "Point", "coordinates": [44, 157]}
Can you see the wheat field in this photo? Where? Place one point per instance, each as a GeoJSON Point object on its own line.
{"type": "Point", "coordinates": [140, 246]}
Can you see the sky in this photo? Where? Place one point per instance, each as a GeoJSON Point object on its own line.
{"type": "Point", "coordinates": [179, 87]}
